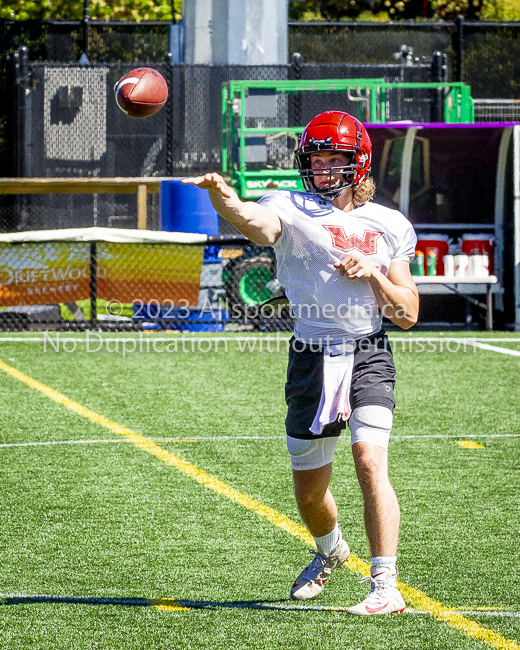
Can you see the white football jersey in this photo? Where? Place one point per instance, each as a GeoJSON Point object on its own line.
{"type": "Point", "coordinates": [315, 235]}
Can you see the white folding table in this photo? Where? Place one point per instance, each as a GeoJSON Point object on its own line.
{"type": "Point", "coordinates": [462, 286]}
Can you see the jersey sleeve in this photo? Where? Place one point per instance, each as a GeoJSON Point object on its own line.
{"type": "Point", "coordinates": [280, 204]}
{"type": "Point", "coordinates": [405, 249]}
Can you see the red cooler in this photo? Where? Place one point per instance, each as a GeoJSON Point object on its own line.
{"type": "Point", "coordinates": [479, 244]}
{"type": "Point", "coordinates": [439, 244]}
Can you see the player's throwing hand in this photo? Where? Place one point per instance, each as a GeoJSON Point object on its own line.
{"type": "Point", "coordinates": [259, 224]}
{"type": "Point", "coordinates": [213, 182]}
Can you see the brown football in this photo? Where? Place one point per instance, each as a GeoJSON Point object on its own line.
{"type": "Point", "coordinates": [141, 92]}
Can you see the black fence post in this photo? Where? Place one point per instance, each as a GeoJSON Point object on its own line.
{"type": "Point", "coordinates": [438, 74]}
{"type": "Point", "coordinates": [169, 115]}
{"type": "Point", "coordinates": [9, 165]}
{"type": "Point", "coordinates": [93, 284]}
{"type": "Point", "coordinates": [85, 24]}
{"type": "Point", "coordinates": [19, 72]}
{"type": "Point", "coordinates": [459, 46]}
{"type": "Point", "coordinates": [297, 65]}
{"type": "Point", "coordinates": [12, 67]}
{"type": "Point", "coordinates": [21, 81]}
{"type": "Point", "coordinates": [295, 99]}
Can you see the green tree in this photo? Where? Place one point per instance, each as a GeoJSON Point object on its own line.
{"type": "Point", "coordinates": [308, 10]}
{"type": "Point", "coordinates": [138, 10]}
{"type": "Point", "coordinates": [502, 10]}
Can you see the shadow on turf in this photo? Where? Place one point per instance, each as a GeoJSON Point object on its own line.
{"type": "Point", "coordinates": [20, 599]}
{"type": "Point", "coordinates": [170, 604]}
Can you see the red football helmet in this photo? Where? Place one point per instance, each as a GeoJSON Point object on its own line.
{"type": "Point", "coordinates": [335, 131]}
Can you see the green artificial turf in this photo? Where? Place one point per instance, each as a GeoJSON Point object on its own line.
{"type": "Point", "coordinates": [106, 520]}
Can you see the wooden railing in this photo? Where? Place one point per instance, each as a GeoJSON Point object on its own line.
{"type": "Point", "coordinates": [140, 186]}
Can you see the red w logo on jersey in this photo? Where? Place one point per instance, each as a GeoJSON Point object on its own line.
{"type": "Point", "coordinates": [366, 244]}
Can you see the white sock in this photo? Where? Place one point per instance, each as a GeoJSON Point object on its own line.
{"type": "Point", "coordinates": [327, 543]}
{"type": "Point", "coordinates": [385, 561]}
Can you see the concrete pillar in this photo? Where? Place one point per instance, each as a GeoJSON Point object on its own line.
{"type": "Point", "coordinates": [236, 32]}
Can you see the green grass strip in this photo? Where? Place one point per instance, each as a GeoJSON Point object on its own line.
{"type": "Point", "coordinates": [417, 598]}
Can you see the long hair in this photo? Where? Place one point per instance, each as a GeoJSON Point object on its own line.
{"type": "Point", "coordinates": [364, 192]}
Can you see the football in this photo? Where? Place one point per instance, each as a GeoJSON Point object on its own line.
{"type": "Point", "coordinates": [141, 92]}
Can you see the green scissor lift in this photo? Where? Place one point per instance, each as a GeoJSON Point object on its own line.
{"type": "Point", "coordinates": [371, 95]}
{"type": "Point", "coordinates": [247, 278]}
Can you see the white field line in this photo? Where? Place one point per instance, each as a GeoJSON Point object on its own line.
{"type": "Point", "coordinates": [494, 348]}
{"type": "Point", "coordinates": [46, 443]}
{"type": "Point", "coordinates": [470, 612]}
{"type": "Point", "coordinates": [475, 342]}
{"type": "Point", "coordinates": [90, 442]}
{"type": "Point", "coordinates": [464, 339]}
{"type": "Point", "coordinates": [238, 438]}
{"type": "Point", "coordinates": [230, 337]}
{"type": "Point", "coordinates": [95, 337]}
{"type": "Point", "coordinates": [459, 435]}
{"type": "Point", "coordinates": [468, 339]}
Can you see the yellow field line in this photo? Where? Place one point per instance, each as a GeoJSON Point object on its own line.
{"type": "Point", "coordinates": [187, 468]}
{"type": "Point", "coordinates": [469, 444]}
{"type": "Point", "coordinates": [169, 605]}
{"type": "Point", "coordinates": [417, 598]}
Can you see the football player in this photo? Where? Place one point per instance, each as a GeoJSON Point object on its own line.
{"type": "Point", "coordinates": [344, 261]}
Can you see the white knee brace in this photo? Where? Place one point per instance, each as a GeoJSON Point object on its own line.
{"type": "Point", "coordinates": [311, 453]}
{"type": "Point", "coordinates": [371, 423]}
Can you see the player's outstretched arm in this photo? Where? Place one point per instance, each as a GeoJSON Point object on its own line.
{"type": "Point", "coordinates": [261, 225]}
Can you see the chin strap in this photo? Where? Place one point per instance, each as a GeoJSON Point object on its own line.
{"type": "Point", "coordinates": [330, 195]}
{"type": "Point", "coordinates": [330, 192]}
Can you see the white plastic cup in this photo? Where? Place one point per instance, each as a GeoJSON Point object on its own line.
{"type": "Point", "coordinates": [449, 265]}
{"type": "Point", "coordinates": [461, 265]}
{"type": "Point", "coordinates": [475, 266]}
{"type": "Point", "coordinates": [485, 264]}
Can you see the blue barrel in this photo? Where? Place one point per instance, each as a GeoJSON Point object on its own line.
{"type": "Point", "coordinates": [186, 208]}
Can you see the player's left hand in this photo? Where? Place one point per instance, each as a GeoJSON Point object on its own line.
{"type": "Point", "coordinates": [354, 265]}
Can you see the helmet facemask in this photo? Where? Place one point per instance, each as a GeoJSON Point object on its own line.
{"type": "Point", "coordinates": [348, 171]}
{"type": "Point", "coordinates": [334, 188]}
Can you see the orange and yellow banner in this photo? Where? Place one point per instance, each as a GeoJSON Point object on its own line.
{"type": "Point", "coordinates": [59, 272]}
{"type": "Point", "coordinates": [44, 274]}
{"type": "Point", "coordinates": [167, 273]}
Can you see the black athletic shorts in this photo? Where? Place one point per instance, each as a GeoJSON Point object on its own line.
{"type": "Point", "coordinates": [373, 379]}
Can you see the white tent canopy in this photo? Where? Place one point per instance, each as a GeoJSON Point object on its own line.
{"type": "Point", "coordinates": [114, 235]}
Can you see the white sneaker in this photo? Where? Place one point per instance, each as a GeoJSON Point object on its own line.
{"type": "Point", "coordinates": [384, 598]}
{"type": "Point", "coordinates": [312, 579]}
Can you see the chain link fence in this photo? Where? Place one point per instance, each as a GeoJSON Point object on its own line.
{"type": "Point", "coordinates": [56, 211]}
{"type": "Point", "coordinates": [491, 60]}
{"type": "Point", "coordinates": [497, 110]}
{"type": "Point", "coordinates": [105, 285]}
{"type": "Point", "coordinates": [67, 124]}
{"type": "Point", "coordinates": [490, 51]}
{"type": "Point", "coordinates": [185, 136]}
{"type": "Point", "coordinates": [369, 43]}
{"type": "Point", "coordinates": [62, 41]}
{"type": "Point", "coordinates": [484, 55]}
{"type": "Point", "coordinates": [221, 285]}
